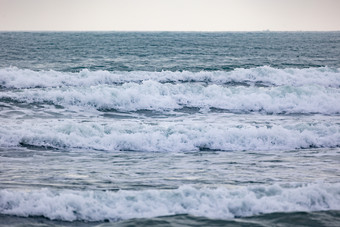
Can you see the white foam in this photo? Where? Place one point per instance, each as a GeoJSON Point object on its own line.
{"type": "Point", "coordinates": [172, 135]}
{"type": "Point", "coordinates": [221, 202]}
{"type": "Point", "coordinates": [24, 78]}
{"type": "Point", "coordinates": [152, 95]}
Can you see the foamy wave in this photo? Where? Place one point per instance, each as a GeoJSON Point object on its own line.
{"type": "Point", "coordinates": [184, 135]}
{"type": "Point", "coordinates": [152, 95]}
{"type": "Point", "coordinates": [24, 78]}
{"type": "Point", "coordinates": [221, 202]}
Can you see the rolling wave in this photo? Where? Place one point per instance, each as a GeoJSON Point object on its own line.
{"type": "Point", "coordinates": [263, 89]}
{"type": "Point", "coordinates": [260, 76]}
{"type": "Point", "coordinates": [219, 203]}
{"type": "Point", "coordinates": [152, 95]}
{"type": "Point", "coordinates": [171, 136]}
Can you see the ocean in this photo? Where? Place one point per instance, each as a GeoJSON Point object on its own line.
{"type": "Point", "coordinates": [169, 129]}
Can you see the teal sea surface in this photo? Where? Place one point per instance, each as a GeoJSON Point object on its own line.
{"type": "Point", "coordinates": [169, 129]}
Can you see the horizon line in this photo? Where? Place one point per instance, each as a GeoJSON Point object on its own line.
{"type": "Point", "coordinates": [155, 31]}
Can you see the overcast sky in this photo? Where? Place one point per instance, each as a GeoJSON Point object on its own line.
{"type": "Point", "coordinates": [170, 15]}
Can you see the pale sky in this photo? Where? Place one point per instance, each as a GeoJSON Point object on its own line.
{"type": "Point", "coordinates": [169, 15]}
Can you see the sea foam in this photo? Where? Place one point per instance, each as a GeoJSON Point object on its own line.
{"type": "Point", "coordinates": [262, 89]}
{"type": "Point", "coordinates": [153, 95]}
{"type": "Point", "coordinates": [264, 76]}
{"type": "Point", "coordinates": [171, 136]}
{"type": "Point", "coordinates": [220, 202]}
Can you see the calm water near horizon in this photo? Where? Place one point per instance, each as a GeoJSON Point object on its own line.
{"type": "Point", "coordinates": [169, 129]}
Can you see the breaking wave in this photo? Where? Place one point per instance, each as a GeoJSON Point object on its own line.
{"type": "Point", "coordinates": [183, 135]}
{"type": "Point", "coordinates": [220, 202]}
{"type": "Point", "coordinates": [260, 76]}
{"type": "Point", "coordinates": [264, 89]}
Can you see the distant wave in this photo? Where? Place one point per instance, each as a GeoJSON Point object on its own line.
{"type": "Point", "coordinates": [260, 76]}
{"type": "Point", "coordinates": [220, 202]}
{"type": "Point", "coordinates": [180, 135]}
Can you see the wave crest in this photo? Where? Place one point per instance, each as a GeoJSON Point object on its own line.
{"type": "Point", "coordinates": [221, 202]}
{"type": "Point", "coordinates": [189, 135]}
{"type": "Point", "coordinates": [260, 76]}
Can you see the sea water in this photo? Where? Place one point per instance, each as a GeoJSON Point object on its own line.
{"type": "Point", "coordinates": [169, 129]}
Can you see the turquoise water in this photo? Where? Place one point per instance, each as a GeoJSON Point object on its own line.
{"type": "Point", "coordinates": [170, 129]}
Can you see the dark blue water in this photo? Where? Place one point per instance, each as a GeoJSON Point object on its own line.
{"type": "Point", "coordinates": [169, 129]}
{"type": "Point", "coordinates": [114, 51]}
